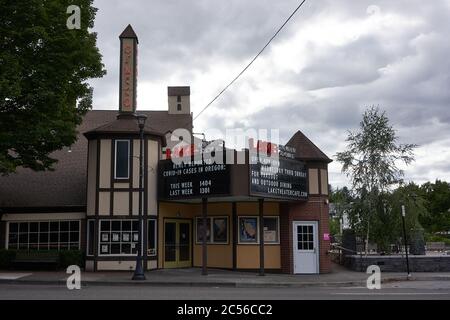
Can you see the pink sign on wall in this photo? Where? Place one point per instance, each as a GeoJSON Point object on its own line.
{"type": "Point", "coordinates": [326, 237]}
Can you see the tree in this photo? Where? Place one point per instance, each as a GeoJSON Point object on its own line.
{"type": "Point", "coordinates": [437, 197]}
{"type": "Point", "coordinates": [387, 225]}
{"type": "Point", "coordinates": [371, 162]}
{"type": "Point", "coordinates": [43, 74]}
{"type": "Point", "coordinates": [340, 199]}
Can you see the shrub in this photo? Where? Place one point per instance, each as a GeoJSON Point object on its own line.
{"type": "Point", "coordinates": [437, 238]}
{"type": "Point", "coordinates": [6, 258]}
{"type": "Point", "coordinates": [71, 257]}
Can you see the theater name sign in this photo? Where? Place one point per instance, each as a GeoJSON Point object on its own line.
{"type": "Point", "coordinates": [270, 171]}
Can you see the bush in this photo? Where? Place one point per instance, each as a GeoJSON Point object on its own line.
{"type": "Point", "coordinates": [71, 257]}
{"type": "Point", "coordinates": [437, 238]}
{"type": "Point", "coordinates": [6, 258]}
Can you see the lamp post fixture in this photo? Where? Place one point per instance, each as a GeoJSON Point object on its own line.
{"type": "Point", "coordinates": [405, 240]}
{"type": "Point", "coordinates": [139, 270]}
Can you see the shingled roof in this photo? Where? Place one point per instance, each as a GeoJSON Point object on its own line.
{"type": "Point", "coordinates": [306, 149]}
{"type": "Point", "coordinates": [66, 185]}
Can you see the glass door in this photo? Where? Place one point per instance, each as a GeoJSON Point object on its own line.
{"type": "Point", "coordinates": [177, 243]}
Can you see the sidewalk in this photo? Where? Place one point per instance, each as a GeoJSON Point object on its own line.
{"type": "Point", "coordinates": [339, 277]}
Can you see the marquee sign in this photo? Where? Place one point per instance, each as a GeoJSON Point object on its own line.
{"type": "Point", "coordinates": [128, 70]}
{"type": "Point", "coordinates": [192, 180]}
{"type": "Point", "coordinates": [279, 176]}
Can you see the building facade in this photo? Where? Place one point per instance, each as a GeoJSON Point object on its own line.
{"type": "Point", "coordinates": [206, 215]}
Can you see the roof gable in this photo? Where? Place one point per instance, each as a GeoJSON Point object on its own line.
{"type": "Point", "coordinates": [306, 149]}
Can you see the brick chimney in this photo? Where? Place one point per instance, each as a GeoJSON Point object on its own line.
{"type": "Point", "coordinates": [179, 100]}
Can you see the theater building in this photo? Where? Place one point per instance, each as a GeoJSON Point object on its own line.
{"type": "Point", "coordinates": [233, 216]}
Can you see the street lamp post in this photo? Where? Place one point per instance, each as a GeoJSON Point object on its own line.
{"type": "Point", "coordinates": [139, 270]}
{"type": "Point", "coordinates": [405, 240]}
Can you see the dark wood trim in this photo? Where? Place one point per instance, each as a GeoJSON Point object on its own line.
{"type": "Point", "coordinates": [145, 206]}
{"type": "Point", "coordinates": [25, 210]}
{"type": "Point", "coordinates": [204, 243]}
{"type": "Point", "coordinates": [97, 196]}
{"type": "Point", "coordinates": [116, 258]}
{"type": "Point", "coordinates": [157, 201]}
{"type": "Point", "coordinates": [3, 234]}
{"type": "Point", "coordinates": [130, 175]}
{"type": "Point", "coordinates": [87, 175]}
{"type": "Point", "coordinates": [261, 236]}
{"type": "Point", "coordinates": [111, 178]}
{"type": "Point", "coordinates": [119, 217]}
{"type": "Point", "coordinates": [234, 233]}
{"type": "Point", "coordinates": [118, 189]}
{"type": "Point", "coordinates": [121, 180]}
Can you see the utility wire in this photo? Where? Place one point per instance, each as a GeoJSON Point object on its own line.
{"type": "Point", "coordinates": [250, 63]}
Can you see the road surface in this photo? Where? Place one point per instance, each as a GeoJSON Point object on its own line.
{"type": "Point", "coordinates": [398, 290]}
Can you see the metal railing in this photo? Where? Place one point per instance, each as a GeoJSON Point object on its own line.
{"type": "Point", "coordinates": [340, 248]}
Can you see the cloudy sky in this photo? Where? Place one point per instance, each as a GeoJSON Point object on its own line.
{"type": "Point", "coordinates": [332, 60]}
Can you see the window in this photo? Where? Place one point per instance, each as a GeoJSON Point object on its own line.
{"type": "Point", "coordinates": [151, 235]}
{"type": "Point", "coordinates": [178, 98]}
{"type": "Point", "coordinates": [179, 107]}
{"type": "Point", "coordinates": [271, 230]}
{"type": "Point", "coordinates": [118, 237]}
{"type": "Point", "coordinates": [216, 230]}
{"type": "Point", "coordinates": [122, 159]}
{"type": "Point", "coordinates": [305, 237]}
{"type": "Point", "coordinates": [90, 237]}
{"type": "Point", "coordinates": [248, 229]}
{"type": "Point", "coordinates": [44, 235]}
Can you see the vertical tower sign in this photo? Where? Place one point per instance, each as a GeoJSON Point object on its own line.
{"type": "Point", "coordinates": [128, 70]}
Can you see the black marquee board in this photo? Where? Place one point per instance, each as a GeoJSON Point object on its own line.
{"type": "Point", "coordinates": [281, 178]}
{"type": "Point", "coordinates": [191, 181]}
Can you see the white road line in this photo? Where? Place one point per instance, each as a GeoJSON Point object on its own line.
{"type": "Point", "coordinates": [389, 293]}
{"type": "Point", "coordinates": [13, 276]}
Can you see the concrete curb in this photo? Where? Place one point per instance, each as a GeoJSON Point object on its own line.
{"type": "Point", "coordinates": [230, 284]}
{"type": "Point", "coordinates": [187, 284]}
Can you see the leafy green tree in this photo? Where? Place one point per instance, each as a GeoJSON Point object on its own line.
{"type": "Point", "coordinates": [387, 224]}
{"type": "Point", "coordinates": [437, 197]}
{"type": "Point", "coordinates": [340, 199]}
{"type": "Point", "coordinates": [371, 162]}
{"type": "Point", "coordinates": [44, 67]}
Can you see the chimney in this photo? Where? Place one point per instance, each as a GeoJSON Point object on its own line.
{"type": "Point", "coordinates": [128, 71]}
{"type": "Point", "coordinates": [179, 100]}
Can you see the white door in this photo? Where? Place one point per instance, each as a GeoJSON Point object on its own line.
{"type": "Point", "coordinates": [306, 247]}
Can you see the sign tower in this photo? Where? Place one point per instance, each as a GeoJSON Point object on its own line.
{"type": "Point", "coordinates": [128, 71]}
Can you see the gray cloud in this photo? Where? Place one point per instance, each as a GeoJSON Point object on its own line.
{"type": "Point", "coordinates": [331, 61]}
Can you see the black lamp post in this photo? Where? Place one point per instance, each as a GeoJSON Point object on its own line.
{"type": "Point", "coordinates": [405, 240]}
{"type": "Point", "coordinates": [139, 270]}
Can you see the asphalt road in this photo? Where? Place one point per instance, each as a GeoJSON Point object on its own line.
{"type": "Point", "coordinates": [399, 290]}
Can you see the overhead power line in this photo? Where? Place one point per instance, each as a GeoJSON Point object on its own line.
{"type": "Point", "coordinates": [251, 62]}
